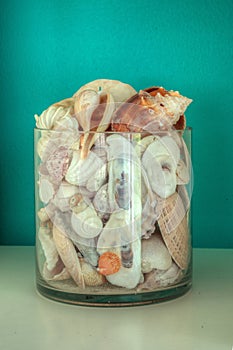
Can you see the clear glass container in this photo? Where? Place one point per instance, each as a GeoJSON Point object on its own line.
{"type": "Point", "coordinates": [113, 224]}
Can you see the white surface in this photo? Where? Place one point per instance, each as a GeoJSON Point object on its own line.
{"type": "Point", "coordinates": [200, 320]}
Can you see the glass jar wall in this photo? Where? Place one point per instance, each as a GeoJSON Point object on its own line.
{"type": "Point", "coordinates": [113, 223]}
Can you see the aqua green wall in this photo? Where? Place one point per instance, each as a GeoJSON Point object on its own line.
{"type": "Point", "coordinates": [50, 48]}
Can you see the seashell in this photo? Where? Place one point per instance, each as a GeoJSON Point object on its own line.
{"type": "Point", "coordinates": [93, 111]}
{"type": "Point", "coordinates": [75, 200]}
{"type": "Point", "coordinates": [43, 215]}
{"type": "Point", "coordinates": [120, 91]}
{"type": "Point", "coordinates": [183, 171]}
{"type": "Point", "coordinates": [87, 247]}
{"type": "Point", "coordinates": [101, 202]}
{"type": "Point", "coordinates": [57, 164]}
{"type": "Point", "coordinates": [49, 247]}
{"type": "Point", "coordinates": [59, 273]}
{"type": "Point", "coordinates": [127, 256]}
{"type": "Point", "coordinates": [160, 162]}
{"type": "Point", "coordinates": [97, 180]}
{"type": "Point", "coordinates": [117, 233]}
{"type": "Point", "coordinates": [109, 263]}
{"type": "Point", "coordinates": [151, 109]}
{"type": "Point", "coordinates": [68, 255]}
{"type": "Point", "coordinates": [51, 117]}
{"type": "Point", "coordinates": [155, 255]}
{"type": "Point", "coordinates": [149, 216]}
{"type": "Point", "coordinates": [91, 276]}
{"type": "Point", "coordinates": [137, 114]}
{"type": "Point", "coordinates": [172, 102]}
{"type": "Point", "coordinates": [184, 195]}
{"type": "Point", "coordinates": [119, 230]}
{"type": "Point", "coordinates": [174, 229]}
{"type": "Point", "coordinates": [86, 223]}
{"type": "Point", "coordinates": [81, 170]}
{"type": "Point", "coordinates": [46, 190]}
{"type": "Point", "coordinates": [129, 277]}
{"type": "Point", "coordinates": [62, 198]}
{"type": "Point", "coordinates": [123, 163]}
{"type": "Point", "coordinates": [161, 278]}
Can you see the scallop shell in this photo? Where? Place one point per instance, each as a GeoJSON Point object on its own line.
{"type": "Point", "coordinates": [109, 263]}
{"type": "Point", "coordinates": [81, 170]}
{"type": "Point", "coordinates": [174, 229]}
{"type": "Point", "coordinates": [155, 255]}
{"type": "Point", "coordinates": [120, 91]}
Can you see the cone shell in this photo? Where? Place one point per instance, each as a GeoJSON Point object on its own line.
{"type": "Point", "coordinates": [174, 229]}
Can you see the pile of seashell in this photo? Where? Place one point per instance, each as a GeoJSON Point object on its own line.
{"type": "Point", "coordinates": [112, 186]}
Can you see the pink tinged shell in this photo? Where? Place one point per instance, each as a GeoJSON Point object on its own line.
{"type": "Point", "coordinates": [69, 256]}
{"type": "Point", "coordinates": [57, 164]}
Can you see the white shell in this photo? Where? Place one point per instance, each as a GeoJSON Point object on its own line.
{"type": "Point", "coordinates": [120, 91]}
{"type": "Point", "coordinates": [129, 277]}
{"type": "Point", "coordinates": [97, 180]}
{"type": "Point", "coordinates": [155, 255]}
{"type": "Point", "coordinates": [124, 169]}
{"type": "Point", "coordinates": [63, 195]}
{"type": "Point", "coordinates": [81, 170]}
{"type": "Point", "coordinates": [174, 104]}
{"type": "Point", "coordinates": [86, 224]}
{"type": "Point", "coordinates": [46, 190]}
{"type": "Point", "coordinates": [48, 246]}
{"type": "Point", "coordinates": [51, 116]}
{"type": "Point", "coordinates": [160, 162]}
{"type": "Point", "coordinates": [118, 232]}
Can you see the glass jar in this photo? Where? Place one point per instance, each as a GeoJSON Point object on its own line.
{"type": "Point", "coordinates": [113, 224]}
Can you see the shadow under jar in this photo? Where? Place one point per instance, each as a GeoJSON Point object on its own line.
{"type": "Point", "coordinates": [113, 227]}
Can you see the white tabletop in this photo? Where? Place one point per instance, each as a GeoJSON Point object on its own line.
{"type": "Point", "coordinates": [202, 319]}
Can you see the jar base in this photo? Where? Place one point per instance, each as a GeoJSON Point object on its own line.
{"type": "Point", "coordinates": [117, 300]}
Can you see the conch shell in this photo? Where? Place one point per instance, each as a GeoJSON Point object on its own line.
{"type": "Point", "coordinates": [151, 110]}
{"type": "Point", "coordinates": [93, 111]}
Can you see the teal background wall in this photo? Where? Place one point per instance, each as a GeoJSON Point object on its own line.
{"type": "Point", "coordinates": [50, 48]}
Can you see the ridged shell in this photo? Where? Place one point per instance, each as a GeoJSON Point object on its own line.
{"type": "Point", "coordinates": [174, 229]}
{"type": "Point", "coordinates": [51, 116]}
{"type": "Point", "coordinates": [68, 255]}
{"type": "Point", "coordinates": [81, 170]}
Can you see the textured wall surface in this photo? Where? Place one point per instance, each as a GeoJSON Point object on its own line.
{"type": "Point", "coordinates": [50, 48]}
